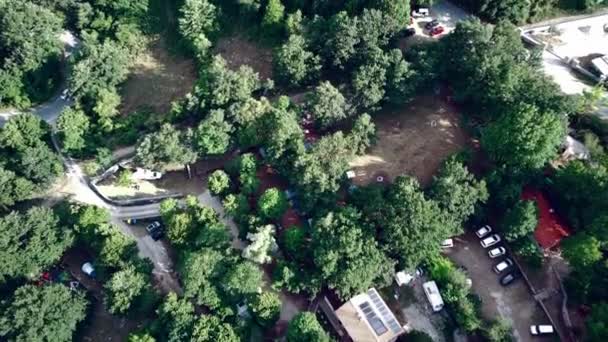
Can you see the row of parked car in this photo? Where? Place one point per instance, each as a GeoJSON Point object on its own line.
{"type": "Point", "coordinates": [505, 264]}
{"type": "Point", "coordinates": [487, 240]}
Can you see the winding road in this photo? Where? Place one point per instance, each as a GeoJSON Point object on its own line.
{"type": "Point", "coordinates": [76, 186]}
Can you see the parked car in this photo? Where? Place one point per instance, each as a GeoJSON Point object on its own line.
{"type": "Point", "coordinates": [496, 252]}
{"type": "Point", "coordinates": [503, 265]}
{"type": "Point", "coordinates": [483, 231]}
{"type": "Point", "coordinates": [490, 241]}
{"type": "Point", "coordinates": [447, 243]}
{"type": "Point", "coordinates": [429, 26]}
{"type": "Point", "coordinates": [155, 230]}
{"type": "Point", "coordinates": [509, 278]}
{"type": "Point", "coordinates": [541, 329]}
{"type": "Point", "coordinates": [435, 31]}
{"type": "Point", "coordinates": [420, 13]}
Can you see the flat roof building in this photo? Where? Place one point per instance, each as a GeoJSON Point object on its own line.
{"type": "Point", "coordinates": [367, 318]}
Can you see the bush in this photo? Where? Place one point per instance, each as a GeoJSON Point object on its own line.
{"type": "Point", "coordinates": [266, 308]}
{"type": "Point", "coordinates": [219, 182]}
{"type": "Point", "coordinates": [272, 203]}
{"type": "Point", "coordinates": [498, 331]}
{"type": "Point", "coordinates": [125, 178]}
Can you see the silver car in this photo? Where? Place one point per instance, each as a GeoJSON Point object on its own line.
{"type": "Point", "coordinates": [490, 241]}
{"type": "Point", "coordinates": [496, 252]}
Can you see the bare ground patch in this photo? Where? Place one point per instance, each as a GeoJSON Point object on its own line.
{"type": "Point", "coordinates": [412, 140]}
{"type": "Point", "coordinates": [157, 79]}
{"type": "Point", "coordinates": [238, 51]}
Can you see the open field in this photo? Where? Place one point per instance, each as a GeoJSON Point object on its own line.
{"type": "Point", "coordinates": [239, 51]}
{"type": "Point", "coordinates": [412, 140]}
{"type": "Point", "coordinates": [157, 79]}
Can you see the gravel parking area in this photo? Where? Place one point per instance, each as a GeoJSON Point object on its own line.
{"type": "Point", "coordinates": [514, 302]}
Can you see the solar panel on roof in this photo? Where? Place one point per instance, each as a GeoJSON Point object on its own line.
{"type": "Point", "coordinates": [386, 314]}
{"type": "Point", "coordinates": [373, 320]}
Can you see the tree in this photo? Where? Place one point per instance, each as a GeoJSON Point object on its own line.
{"type": "Point", "coordinates": [44, 313]}
{"type": "Point", "coordinates": [515, 11]}
{"type": "Point", "coordinates": [597, 323]}
{"type": "Point", "coordinates": [323, 166]}
{"type": "Point", "coordinates": [209, 328]}
{"type": "Point", "coordinates": [220, 87]}
{"type": "Point", "coordinates": [98, 68]}
{"type": "Point", "coordinates": [457, 191]}
{"type": "Point", "coordinates": [13, 188]}
{"type": "Point", "coordinates": [273, 17]}
{"type": "Point", "coordinates": [294, 64]}
{"type": "Point", "coordinates": [401, 83]}
{"type": "Point", "coordinates": [164, 148]}
{"type": "Point", "coordinates": [272, 204]}
{"type": "Point", "coordinates": [347, 255]}
{"type": "Point", "coordinates": [242, 280]}
{"type": "Point", "coordinates": [198, 18]}
{"type": "Point", "coordinates": [369, 82]}
{"type": "Point", "coordinates": [525, 138]}
{"type": "Point", "coordinates": [499, 331]}
{"type": "Point", "coordinates": [416, 336]}
{"type": "Point", "coordinates": [106, 101]}
{"type": "Point", "coordinates": [266, 308]}
{"type": "Point", "coordinates": [25, 130]}
{"type": "Point", "coordinates": [582, 250]}
{"type": "Point", "coordinates": [31, 242]}
{"type": "Point", "coordinates": [294, 239]}
{"type": "Point", "coordinates": [236, 206]}
{"type": "Point", "coordinates": [304, 327]}
{"type": "Point", "coordinates": [520, 221]}
{"type": "Point", "coordinates": [141, 337]}
{"type": "Point", "coordinates": [327, 105]}
{"type": "Point", "coordinates": [219, 182]}
{"type": "Point", "coordinates": [202, 271]}
{"type": "Point", "coordinates": [341, 35]}
{"type": "Point", "coordinates": [413, 226]}
{"type": "Point", "coordinates": [72, 125]}
{"type": "Point", "coordinates": [177, 318]}
{"type": "Point", "coordinates": [212, 136]}
{"type": "Point", "coordinates": [40, 164]}
{"type": "Point", "coordinates": [123, 289]}
{"type": "Point", "coordinates": [125, 178]}
{"type": "Point", "coordinates": [262, 245]}
{"type": "Point", "coordinates": [363, 134]}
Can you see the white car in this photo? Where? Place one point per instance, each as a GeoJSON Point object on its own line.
{"type": "Point", "coordinates": [447, 243]}
{"type": "Point", "coordinates": [483, 231]}
{"type": "Point", "coordinates": [420, 13]}
{"type": "Point", "coordinates": [490, 241]}
{"type": "Point", "coordinates": [503, 265]}
{"type": "Point", "coordinates": [541, 329]}
{"type": "Point", "coordinates": [496, 252]}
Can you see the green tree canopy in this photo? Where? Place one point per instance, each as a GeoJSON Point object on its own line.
{"type": "Point", "coordinates": [210, 328]}
{"type": "Point", "coordinates": [346, 254]}
{"type": "Point", "coordinates": [166, 147]}
{"type": "Point", "coordinates": [304, 327]}
{"type": "Point", "coordinates": [266, 308]}
{"type": "Point", "coordinates": [212, 136]}
{"type": "Point", "coordinates": [262, 246]}
{"type": "Point", "coordinates": [123, 289]}
{"type": "Point", "coordinates": [177, 318]}
{"type": "Point", "coordinates": [327, 105]}
{"type": "Point", "coordinates": [45, 313]}
{"type": "Point", "coordinates": [597, 323]}
{"type": "Point", "coordinates": [295, 64]}
{"type": "Point", "coordinates": [72, 126]}
{"type": "Point", "coordinates": [242, 280]}
{"type": "Point", "coordinates": [525, 138]}
{"type": "Point", "coordinates": [272, 204]}
{"type": "Point", "coordinates": [219, 182]}
{"type": "Point", "coordinates": [520, 221]}
{"type": "Point", "coordinates": [457, 191]}
{"type": "Point", "coordinates": [30, 242]}
{"type": "Point", "coordinates": [582, 250]}
{"type": "Point", "coordinates": [202, 272]}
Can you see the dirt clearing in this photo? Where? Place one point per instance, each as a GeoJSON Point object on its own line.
{"type": "Point", "coordinates": [239, 51]}
{"type": "Point", "coordinates": [412, 140]}
{"type": "Point", "coordinates": [157, 79]}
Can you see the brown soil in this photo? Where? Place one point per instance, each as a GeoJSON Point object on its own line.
{"type": "Point", "coordinates": [412, 140]}
{"type": "Point", "coordinates": [239, 51]}
{"type": "Point", "coordinates": [157, 79]}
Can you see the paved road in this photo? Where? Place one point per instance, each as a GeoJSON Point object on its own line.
{"type": "Point", "coordinates": [76, 186]}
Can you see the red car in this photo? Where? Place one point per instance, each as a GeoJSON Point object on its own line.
{"type": "Point", "coordinates": [437, 30]}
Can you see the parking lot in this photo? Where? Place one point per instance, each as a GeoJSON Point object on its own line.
{"type": "Point", "coordinates": [446, 13]}
{"type": "Point", "coordinates": [514, 302]}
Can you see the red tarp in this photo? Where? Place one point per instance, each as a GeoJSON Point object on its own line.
{"type": "Point", "coordinates": [551, 228]}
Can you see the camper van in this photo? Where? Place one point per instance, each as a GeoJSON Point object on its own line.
{"type": "Point", "coordinates": [432, 294]}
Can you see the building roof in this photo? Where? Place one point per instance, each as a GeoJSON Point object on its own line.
{"type": "Point", "coordinates": [367, 318]}
{"type": "Point", "coordinates": [551, 229]}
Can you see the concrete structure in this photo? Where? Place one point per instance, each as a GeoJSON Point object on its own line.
{"type": "Point", "coordinates": [600, 64]}
{"type": "Point", "coordinates": [367, 318]}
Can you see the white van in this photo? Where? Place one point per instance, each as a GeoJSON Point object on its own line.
{"type": "Point", "coordinates": [432, 294]}
{"type": "Point", "coordinates": [541, 329]}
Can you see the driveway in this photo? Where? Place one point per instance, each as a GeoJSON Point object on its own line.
{"type": "Point", "coordinates": [514, 303]}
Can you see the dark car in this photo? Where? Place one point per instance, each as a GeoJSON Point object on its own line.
{"type": "Point", "coordinates": [431, 24]}
{"type": "Point", "coordinates": [509, 278]}
{"type": "Point", "coordinates": [155, 229]}
{"type": "Point", "coordinates": [408, 32]}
